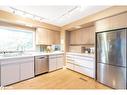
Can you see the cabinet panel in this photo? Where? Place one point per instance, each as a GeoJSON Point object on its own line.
{"type": "Point", "coordinates": [27, 70]}
{"type": "Point", "coordinates": [56, 37]}
{"type": "Point", "coordinates": [81, 64]}
{"type": "Point", "coordinates": [70, 66]}
{"type": "Point", "coordinates": [83, 36]}
{"type": "Point", "coordinates": [50, 37]}
{"type": "Point", "coordinates": [52, 64]}
{"type": "Point", "coordinates": [83, 70]}
{"type": "Point", "coordinates": [114, 22]}
{"type": "Point", "coordinates": [73, 37]}
{"type": "Point", "coordinates": [60, 62]}
{"type": "Point", "coordinates": [10, 74]}
{"type": "Point", "coordinates": [47, 37]}
{"type": "Point", "coordinates": [41, 36]}
{"type": "Point", "coordinates": [87, 36]}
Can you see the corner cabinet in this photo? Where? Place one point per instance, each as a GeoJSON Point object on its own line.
{"type": "Point", "coordinates": [16, 69]}
{"type": "Point", "coordinates": [47, 37]}
{"type": "Point", "coordinates": [56, 61]}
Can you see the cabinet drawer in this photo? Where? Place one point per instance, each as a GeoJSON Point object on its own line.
{"type": "Point", "coordinates": [52, 56]}
{"type": "Point", "coordinates": [59, 55]}
{"type": "Point", "coordinates": [84, 58]}
{"type": "Point", "coordinates": [85, 71]}
{"type": "Point", "coordinates": [85, 63]}
{"type": "Point", "coordinates": [17, 60]}
{"type": "Point", "coordinates": [70, 66]}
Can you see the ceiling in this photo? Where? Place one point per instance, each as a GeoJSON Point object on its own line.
{"type": "Point", "coordinates": [58, 15]}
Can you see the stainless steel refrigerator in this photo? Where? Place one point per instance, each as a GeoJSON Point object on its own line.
{"type": "Point", "coordinates": [111, 64]}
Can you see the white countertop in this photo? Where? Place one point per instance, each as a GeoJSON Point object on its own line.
{"type": "Point", "coordinates": [82, 54]}
{"type": "Point", "coordinates": [29, 54]}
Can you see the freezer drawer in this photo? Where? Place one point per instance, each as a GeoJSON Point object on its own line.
{"type": "Point", "coordinates": [112, 76]}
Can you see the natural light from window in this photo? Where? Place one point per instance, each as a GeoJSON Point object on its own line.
{"type": "Point", "coordinates": [16, 40]}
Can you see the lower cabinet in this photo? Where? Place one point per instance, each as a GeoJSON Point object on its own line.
{"type": "Point", "coordinates": [10, 73]}
{"type": "Point", "coordinates": [59, 61]}
{"type": "Point", "coordinates": [82, 64]}
{"type": "Point", "coordinates": [56, 62]}
{"type": "Point", "coordinates": [27, 69]}
{"type": "Point", "coordinates": [15, 70]}
{"type": "Point", "coordinates": [52, 63]}
{"type": "Point", "coordinates": [70, 66]}
{"type": "Point", "coordinates": [86, 71]}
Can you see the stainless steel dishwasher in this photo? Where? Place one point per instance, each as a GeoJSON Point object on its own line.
{"type": "Point", "coordinates": [41, 64]}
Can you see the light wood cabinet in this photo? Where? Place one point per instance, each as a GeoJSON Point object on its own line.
{"type": "Point", "coordinates": [41, 36]}
{"type": "Point", "coordinates": [50, 37]}
{"type": "Point", "coordinates": [73, 37]}
{"type": "Point", "coordinates": [47, 37]}
{"type": "Point", "coordinates": [82, 36]}
{"type": "Point", "coordinates": [56, 37]}
{"type": "Point", "coordinates": [114, 22]}
{"type": "Point", "coordinates": [87, 35]}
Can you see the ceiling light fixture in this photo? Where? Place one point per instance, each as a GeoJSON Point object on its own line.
{"type": "Point", "coordinates": [26, 14]}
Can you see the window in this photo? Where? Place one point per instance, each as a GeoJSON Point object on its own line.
{"type": "Point", "coordinates": [16, 40]}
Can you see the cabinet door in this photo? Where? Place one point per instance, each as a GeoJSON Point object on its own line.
{"type": "Point", "coordinates": [70, 66]}
{"type": "Point", "coordinates": [78, 37]}
{"type": "Point", "coordinates": [27, 69]}
{"type": "Point", "coordinates": [73, 37]}
{"type": "Point", "coordinates": [56, 37]}
{"type": "Point", "coordinates": [41, 36]}
{"type": "Point", "coordinates": [87, 36]}
{"type": "Point", "coordinates": [60, 61]}
{"type": "Point", "coordinates": [52, 64]}
{"type": "Point", "coordinates": [50, 37]}
{"type": "Point", "coordinates": [113, 22]}
{"type": "Point", "coordinates": [10, 73]}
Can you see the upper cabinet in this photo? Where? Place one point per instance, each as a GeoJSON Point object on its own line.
{"type": "Point", "coordinates": [82, 36]}
{"type": "Point", "coordinates": [114, 22]}
{"type": "Point", "coordinates": [41, 36]}
{"type": "Point", "coordinates": [47, 37]}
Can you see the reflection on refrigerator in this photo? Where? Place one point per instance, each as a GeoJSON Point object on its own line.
{"type": "Point", "coordinates": [111, 58]}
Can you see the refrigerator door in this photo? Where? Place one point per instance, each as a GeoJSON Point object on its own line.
{"type": "Point", "coordinates": [111, 48]}
{"type": "Point", "coordinates": [112, 76]}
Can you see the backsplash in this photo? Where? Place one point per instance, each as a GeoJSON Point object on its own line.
{"type": "Point", "coordinates": [48, 48]}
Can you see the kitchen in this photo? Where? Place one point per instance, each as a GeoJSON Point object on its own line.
{"type": "Point", "coordinates": [36, 53]}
